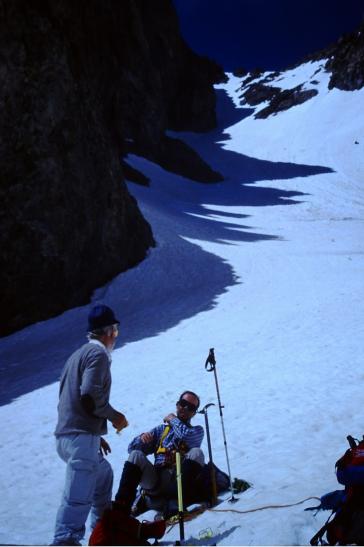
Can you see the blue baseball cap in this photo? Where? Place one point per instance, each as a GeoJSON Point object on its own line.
{"type": "Point", "coordinates": [101, 316]}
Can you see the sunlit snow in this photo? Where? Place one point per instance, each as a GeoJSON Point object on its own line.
{"type": "Point", "coordinates": [267, 268]}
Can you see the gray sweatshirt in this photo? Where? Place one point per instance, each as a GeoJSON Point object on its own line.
{"type": "Point", "coordinates": [86, 373]}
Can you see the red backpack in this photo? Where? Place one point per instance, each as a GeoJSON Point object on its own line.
{"type": "Point", "coordinates": [117, 528]}
{"type": "Point", "coordinates": [350, 467]}
{"type": "Point", "coordinates": [345, 525]}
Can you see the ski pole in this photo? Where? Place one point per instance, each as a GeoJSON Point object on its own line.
{"type": "Point", "coordinates": [210, 366]}
{"type": "Point", "coordinates": [211, 463]}
{"type": "Point", "coordinates": [180, 497]}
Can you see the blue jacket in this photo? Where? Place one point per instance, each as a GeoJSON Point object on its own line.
{"type": "Point", "coordinates": [179, 432]}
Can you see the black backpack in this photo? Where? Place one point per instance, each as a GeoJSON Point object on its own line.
{"type": "Point", "coordinates": [221, 478]}
{"type": "Point", "coordinates": [203, 489]}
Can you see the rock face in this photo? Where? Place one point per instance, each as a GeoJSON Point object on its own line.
{"type": "Point", "coordinates": [345, 60]}
{"type": "Point", "coordinates": [78, 80]}
{"type": "Point", "coordinates": [285, 99]}
{"type": "Point", "coordinates": [258, 93]}
{"type": "Point", "coordinates": [279, 99]}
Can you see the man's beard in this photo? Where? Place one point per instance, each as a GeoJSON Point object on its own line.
{"type": "Point", "coordinates": [110, 347]}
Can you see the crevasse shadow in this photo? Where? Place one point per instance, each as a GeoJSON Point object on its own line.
{"type": "Point", "coordinates": [179, 279]}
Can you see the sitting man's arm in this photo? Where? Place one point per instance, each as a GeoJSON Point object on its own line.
{"type": "Point", "coordinates": [191, 435]}
{"type": "Point", "coordinates": [147, 442]}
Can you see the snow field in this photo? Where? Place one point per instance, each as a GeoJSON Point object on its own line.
{"type": "Point", "coordinates": [275, 286]}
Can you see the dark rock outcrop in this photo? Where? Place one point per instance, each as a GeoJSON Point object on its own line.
{"type": "Point", "coordinates": [240, 72]}
{"type": "Point", "coordinates": [285, 99]}
{"type": "Point", "coordinates": [251, 76]}
{"type": "Point", "coordinates": [279, 99]}
{"type": "Point", "coordinates": [133, 175]}
{"type": "Point", "coordinates": [258, 93]}
{"type": "Point", "coordinates": [345, 60]}
{"type": "Point", "coordinates": [77, 80]}
{"type": "Point", "coordinates": [271, 76]}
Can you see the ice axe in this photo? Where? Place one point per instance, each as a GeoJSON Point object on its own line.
{"type": "Point", "coordinates": [210, 366]}
{"type": "Point", "coordinates": [180, 498]}
{"type": "Point", "coordinates": [211, 463]}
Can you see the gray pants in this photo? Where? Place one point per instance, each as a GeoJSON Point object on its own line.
{"type": "Point", "coordinates": [88, 486]}
{"type": "Point", "coordinates": [156, 481]}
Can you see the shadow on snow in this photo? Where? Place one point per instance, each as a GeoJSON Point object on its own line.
{"type": "Point", "coordinates": [179, 279]}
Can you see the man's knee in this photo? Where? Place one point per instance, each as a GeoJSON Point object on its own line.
{"type": "Point", "coordinates": [137, 457]}
{"type": "Point", "coordinates": [105, 476]}
{"type": "Point", "coordinates": [196, 455]}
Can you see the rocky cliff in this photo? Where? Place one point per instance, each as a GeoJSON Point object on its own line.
{"type": "Point", "coordinates": [81, 84]}
{"type": "Point", "coordinates": [346, 61]}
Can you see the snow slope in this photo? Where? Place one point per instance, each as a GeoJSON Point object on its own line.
{"type": "Point", "coordinates": [267, 268]}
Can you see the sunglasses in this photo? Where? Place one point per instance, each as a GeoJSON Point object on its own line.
{"type": "Point", "coordinates": [185, 404]}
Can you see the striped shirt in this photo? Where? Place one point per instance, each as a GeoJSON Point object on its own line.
{"type": "Point", "coordinates": [179, 432]}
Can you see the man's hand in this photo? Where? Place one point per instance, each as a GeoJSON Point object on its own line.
{"type": "Point", "coordinates": [104, 447]}
{"type": "Point", "coordinates": [146, 437]}
{"type": "Point", "coordinates": [120, 422]}
{"type": "Point", "coordinates": [168, 418]}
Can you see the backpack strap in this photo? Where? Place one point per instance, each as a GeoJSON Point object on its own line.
{"type": "Point", "coordinates": [162, 449]}
{"type": "Point", "coordinates": [317, 538]}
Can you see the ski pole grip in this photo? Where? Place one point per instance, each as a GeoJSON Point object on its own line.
{"type": "Point", "coordinates": [210, 361]}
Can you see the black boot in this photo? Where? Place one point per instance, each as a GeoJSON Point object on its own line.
{"type": "Point", "coordinates": [129, 481]}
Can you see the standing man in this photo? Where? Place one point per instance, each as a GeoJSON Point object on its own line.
{"type": "Point", "coordinates": [83, 411]}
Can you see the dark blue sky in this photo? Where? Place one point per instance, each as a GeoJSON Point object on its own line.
{"type": "Point", "coordinates": [269, 34]}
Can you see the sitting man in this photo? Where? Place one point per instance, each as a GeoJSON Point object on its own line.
{"type": "Point", "coordinates": [159, 480]}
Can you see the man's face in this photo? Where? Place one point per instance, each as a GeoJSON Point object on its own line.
{"type": "Point", "coordinates": [111, 338]}
{"type": "Point", "coordinates": [187, 407]}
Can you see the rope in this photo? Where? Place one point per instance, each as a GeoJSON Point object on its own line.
{"type": "Point", "coordinates": [248, 510]}
{"type": "Point", "coordinates": [263, 507]}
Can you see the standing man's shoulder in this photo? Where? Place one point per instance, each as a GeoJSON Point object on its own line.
{"type": "Point", "coordinates": [89, 354]}
{"type": "Point", "coordinates": [95, 352]}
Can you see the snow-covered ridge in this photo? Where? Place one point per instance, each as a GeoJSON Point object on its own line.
{"type": "Point", "coordinates": [267, 267]}
{"type": "Point", "coordinates": [314, 132]}
{"type": "Point", "coordinates": [272, 92]}
{"type": "Point", "coordinates": [304, 74]}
